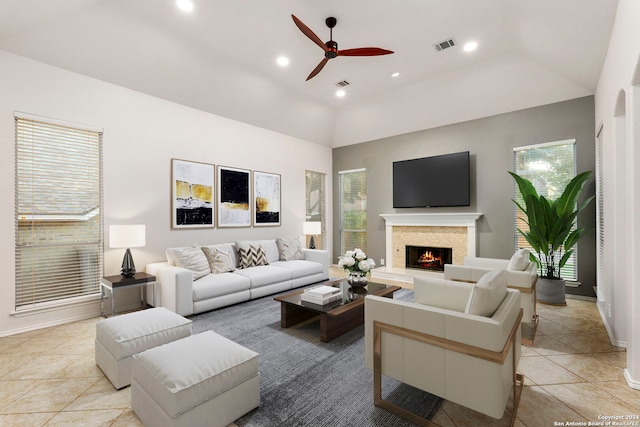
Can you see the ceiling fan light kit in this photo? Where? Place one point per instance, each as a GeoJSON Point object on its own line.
{"type": "Point", "coordinates": [330, 47]}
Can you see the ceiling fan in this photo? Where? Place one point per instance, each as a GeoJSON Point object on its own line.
{"type": "Point", "coordinates": [331, 47]}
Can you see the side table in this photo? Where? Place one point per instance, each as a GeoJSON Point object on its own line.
{"type": "Point", "coordinates": [118, 282]}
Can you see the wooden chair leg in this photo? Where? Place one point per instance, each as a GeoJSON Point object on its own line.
{"type": "Point", "coordinates": [529, 341]}
{"type": "Point", "coordinates": [518, 384]}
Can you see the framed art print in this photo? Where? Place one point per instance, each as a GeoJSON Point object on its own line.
{"type": "Point", "coordinates": [234, 197]}
{"type": "Point", "coordinates": [266, 199]}
{"type": "Point", "coordinates": [192, 187]}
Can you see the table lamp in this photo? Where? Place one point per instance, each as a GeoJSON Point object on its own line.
{"type": "Point", "coordinates": [127, 236]}
{"type": "Point", "coordinates": [313, 228]}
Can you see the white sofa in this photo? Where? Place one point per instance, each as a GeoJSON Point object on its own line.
{"type": "Point", "coordinates": [177, 290]}
{"type": "Point", "coordinates": [437, 345]}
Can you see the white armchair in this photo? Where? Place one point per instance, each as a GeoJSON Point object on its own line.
{"type": "Point", "coordinates": [437, 345]}
{"type": "Point", "coordinates": [522, 275]}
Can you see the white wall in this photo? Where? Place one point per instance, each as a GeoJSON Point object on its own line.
{"type": "Point", "coordinates": [618, 110]}
{"type": "Point", "coordinates": [141, 135]}
{"type": "Point", "coordinates": [499, 82]}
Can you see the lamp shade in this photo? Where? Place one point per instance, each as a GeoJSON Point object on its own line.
{"type": "Point", "coordinates": [127, 236]}
{"type": "Point", "coordinates": [312, 227]}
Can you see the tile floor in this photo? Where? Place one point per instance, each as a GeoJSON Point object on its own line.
{"type": "Point", "coordinates": [49, 377]}
{"type": "Point", "coordinates": [572, 374]}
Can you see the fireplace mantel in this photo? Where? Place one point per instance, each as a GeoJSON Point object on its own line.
{"type": "Point", "coordinates": [457, 219]}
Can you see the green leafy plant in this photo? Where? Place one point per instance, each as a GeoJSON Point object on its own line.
{"type": "Point", "coordinates": [551, 233]}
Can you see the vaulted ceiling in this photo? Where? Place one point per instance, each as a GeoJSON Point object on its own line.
{"type": "Point", "coordinates": [221, 57]}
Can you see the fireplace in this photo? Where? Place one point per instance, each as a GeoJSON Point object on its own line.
{"type": "Point", "coordinates": [427, 257]}
{"type": "Point", "coordinates": [455, 230]}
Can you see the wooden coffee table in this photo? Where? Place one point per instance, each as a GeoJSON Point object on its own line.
{"type": "Point", "coordinates": [336, 318]}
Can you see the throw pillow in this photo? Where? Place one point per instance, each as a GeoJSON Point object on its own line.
{"type": "Point", "coordinates": [251, 254]}
{"type": "Point", "coordinates": [289, 249]}
{"type": "Point", "coordinates": [220, 260]}
{"type": "Point", "coordinates": [519, 261]}
{"type": "Point", "coordinates": [487, 294]}
{"type": "Point", "coordinates": [192, 259]}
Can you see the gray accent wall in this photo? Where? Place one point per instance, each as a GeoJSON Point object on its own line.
{"type": "Point", "coordinates": [490, 142]}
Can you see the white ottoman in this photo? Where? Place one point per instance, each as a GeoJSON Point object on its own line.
{"type": "Point", "coordinates": [118, 338]}
{"type": "Point", "coordinates": [202, 380]}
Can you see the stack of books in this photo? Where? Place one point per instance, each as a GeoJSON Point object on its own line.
{"type": "Point", "coordinates": [321, 295]}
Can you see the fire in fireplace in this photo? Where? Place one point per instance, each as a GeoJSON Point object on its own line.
{"type": "Point", "coordinates": [427, 257]}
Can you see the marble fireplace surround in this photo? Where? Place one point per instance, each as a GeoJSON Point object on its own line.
{"type": "Point", "coordinates": [451, 230]}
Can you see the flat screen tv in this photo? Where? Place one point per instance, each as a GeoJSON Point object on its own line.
{"type": "Point", "coordinates": [436, 181]}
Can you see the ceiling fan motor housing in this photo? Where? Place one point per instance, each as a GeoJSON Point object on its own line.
{"type": "Point", "coordinates": [333, 49]}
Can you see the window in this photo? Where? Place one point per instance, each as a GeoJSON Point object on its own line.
{"type": "Point", "coordinates": [353, 210]}
{"type": "Point", "coordinates": [58, 211]}
{"type": "Point", "coordinates": [315, 209]}
{"type": "Point", "coordinates": [550, 167]}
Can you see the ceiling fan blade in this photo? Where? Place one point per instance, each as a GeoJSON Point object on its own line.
{"type": "Point", "coordinates": [364, 51]}
{"type": "Point", "coordinates": [307, 32]}
{"type": "Point", "coordinates": [318, 68]}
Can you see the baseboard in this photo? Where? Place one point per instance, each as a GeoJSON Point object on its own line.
{"type": "Point", "coordinates": [635, 384]}
{"type": "Point", "coordinates": [581, 297]}
{"type": "Point", "coordinates": [614, 342]}
{"type": "Point", "coordinates": [49, 324]}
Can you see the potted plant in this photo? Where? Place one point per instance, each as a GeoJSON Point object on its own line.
{"type": "Point", "coordinates": [551, 233]}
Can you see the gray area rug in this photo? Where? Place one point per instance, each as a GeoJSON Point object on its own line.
{"type": "Point", "coordinates": [305, 382]}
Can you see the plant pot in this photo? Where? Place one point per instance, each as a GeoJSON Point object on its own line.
{"type": "Point", "coordinates": [550, 291]}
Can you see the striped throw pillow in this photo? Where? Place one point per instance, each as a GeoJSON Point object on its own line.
{"type": "Point", "coordinates": [251, 254]}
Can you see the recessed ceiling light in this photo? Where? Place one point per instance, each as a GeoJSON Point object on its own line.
{"type": "Point", "coordinates": [185, 5]}
{"type": "Point", "coordinates": [340, 93]}
{"type": "Point", "coordinates": [396, 74]}
{"type": "Point", "coordinates": [471, 46]}
{"type": "Point", "coordinates": [282, 61]}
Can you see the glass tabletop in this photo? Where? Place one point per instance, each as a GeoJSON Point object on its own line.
{"type": "Point", "coordinates": [349, 295]}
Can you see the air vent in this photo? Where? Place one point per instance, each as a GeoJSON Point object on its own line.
{"type": "Point", "coordinates": [445, 44]}
{"type": "Point", "coordinates": [343, 83]}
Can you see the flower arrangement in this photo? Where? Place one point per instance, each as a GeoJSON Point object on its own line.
{"type": "Point", "coordinates": [356, 261]}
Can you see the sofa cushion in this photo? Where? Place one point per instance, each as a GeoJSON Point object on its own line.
{"type": "Point", "coordinates": [226, 247]}
{"type": "Point", "coordinates": [300, 268]}
{"type": "Point", "coordinates": [220, 260]}
{"type": "Point", "coordinates": [289, 249]}
{"type": "Point", "coordinates": [446, 294]}
{"type": "Point", "coordinates": [215, 285]}
{"type": "Point", "coordinates": [264, 275]}
{"type": "Point", "coordinates": [251, 254]}
{"type": "Point", "coordinates": [488, 293]}
{"type": "Point", "coordinates": [192, 259]}
{"type": "Point", "coordinates": [519, 261]}
{"type": "Point", "coordinates": [172, 254]}
{"type": "Point", "coordinates": [271, 249]}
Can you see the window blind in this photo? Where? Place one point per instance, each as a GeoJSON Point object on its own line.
{"type": "Point", "coordinates": [58, 208]}
{"type": "Point", "coordinates": [600, 205]}
{"type": "Point", "coordinates": [353, 210]}
{"type": "Point", "coordinates": [549, 166]}
{"type": "Point", "coordinates": [315, 204]}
